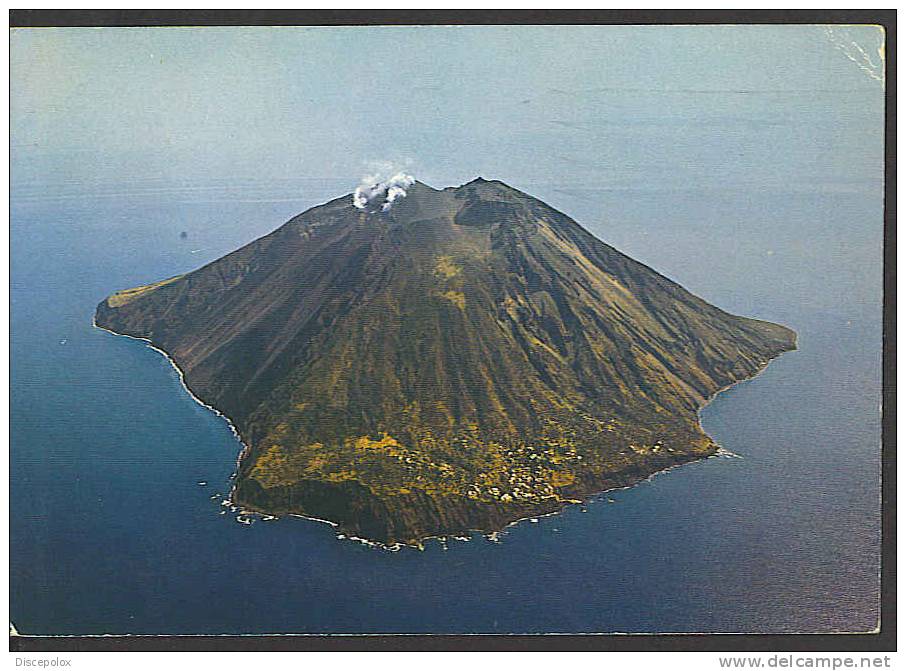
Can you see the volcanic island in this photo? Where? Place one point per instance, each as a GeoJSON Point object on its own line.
{"type": "Point", "coordinates": [433, 362]}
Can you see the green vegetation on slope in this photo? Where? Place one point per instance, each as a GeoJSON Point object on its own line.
{"type": "Point", "coordinates": [471, 357]}
{"type": "Point", "coordinates": [121, 298]}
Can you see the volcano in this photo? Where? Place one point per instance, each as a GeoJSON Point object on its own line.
{"type": "Point", "coordinates": [467, 358]}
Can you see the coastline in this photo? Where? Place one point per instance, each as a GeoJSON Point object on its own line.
{"type": "Point", "coordinates": [489, 535]}
{"type": "Point", "coordinates": [754, 375]}
{"type": "Point", "coordinates": [245, 447]}
{"type": "Point", "coordinates": [182, 381]}
{"type": "Point", "coordinates": [720, 452]}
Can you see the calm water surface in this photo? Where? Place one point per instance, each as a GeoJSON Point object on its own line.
{"type": "Point", "coordinates": [110, 532]}
{"type": "Point", "coordinates": [745, 162]}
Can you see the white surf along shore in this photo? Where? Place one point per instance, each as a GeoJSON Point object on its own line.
{"type": "Point", "coordinates": [491, 536]}
{"type": "Point", "coordinates": [243, 450]}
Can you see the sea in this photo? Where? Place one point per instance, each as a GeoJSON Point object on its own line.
{"type": "Point", "coordinates": [112, 532]}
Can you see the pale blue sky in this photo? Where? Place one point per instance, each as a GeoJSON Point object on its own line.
{"type": "Point", "coordinates": [743, 162]}
{"type": "Point", "coordinates": [597, 105]}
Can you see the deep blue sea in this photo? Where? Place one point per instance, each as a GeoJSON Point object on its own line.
{"type": "Point", "coordinates": [111, 532]}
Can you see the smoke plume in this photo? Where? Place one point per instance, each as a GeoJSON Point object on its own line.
{"type": "Point", "coordinates": [375, 194]}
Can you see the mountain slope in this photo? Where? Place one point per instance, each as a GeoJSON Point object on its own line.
{"type": "Point", "coordinates": [470, 357]}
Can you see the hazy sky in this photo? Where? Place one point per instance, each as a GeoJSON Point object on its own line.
{"type": "Point", "coordinates": [603, 104]}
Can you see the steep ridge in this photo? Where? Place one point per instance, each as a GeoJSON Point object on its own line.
{"type": "Point", "coordinates": [469, 357]}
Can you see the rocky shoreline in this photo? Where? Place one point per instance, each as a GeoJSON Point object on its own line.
{"type": "Point", "coordinates": [358, 515]}
{"type": "Point", "coordinates": [470, 359]}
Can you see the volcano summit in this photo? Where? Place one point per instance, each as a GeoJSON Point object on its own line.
{"type": "Point", "coordinates": [466, 358]}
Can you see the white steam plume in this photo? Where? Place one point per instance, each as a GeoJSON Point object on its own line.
{"type": "Point", "coordinates": [375, 193]}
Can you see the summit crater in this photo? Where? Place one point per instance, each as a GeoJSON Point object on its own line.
{"type": "Point", "coordinates": [469, 357]}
